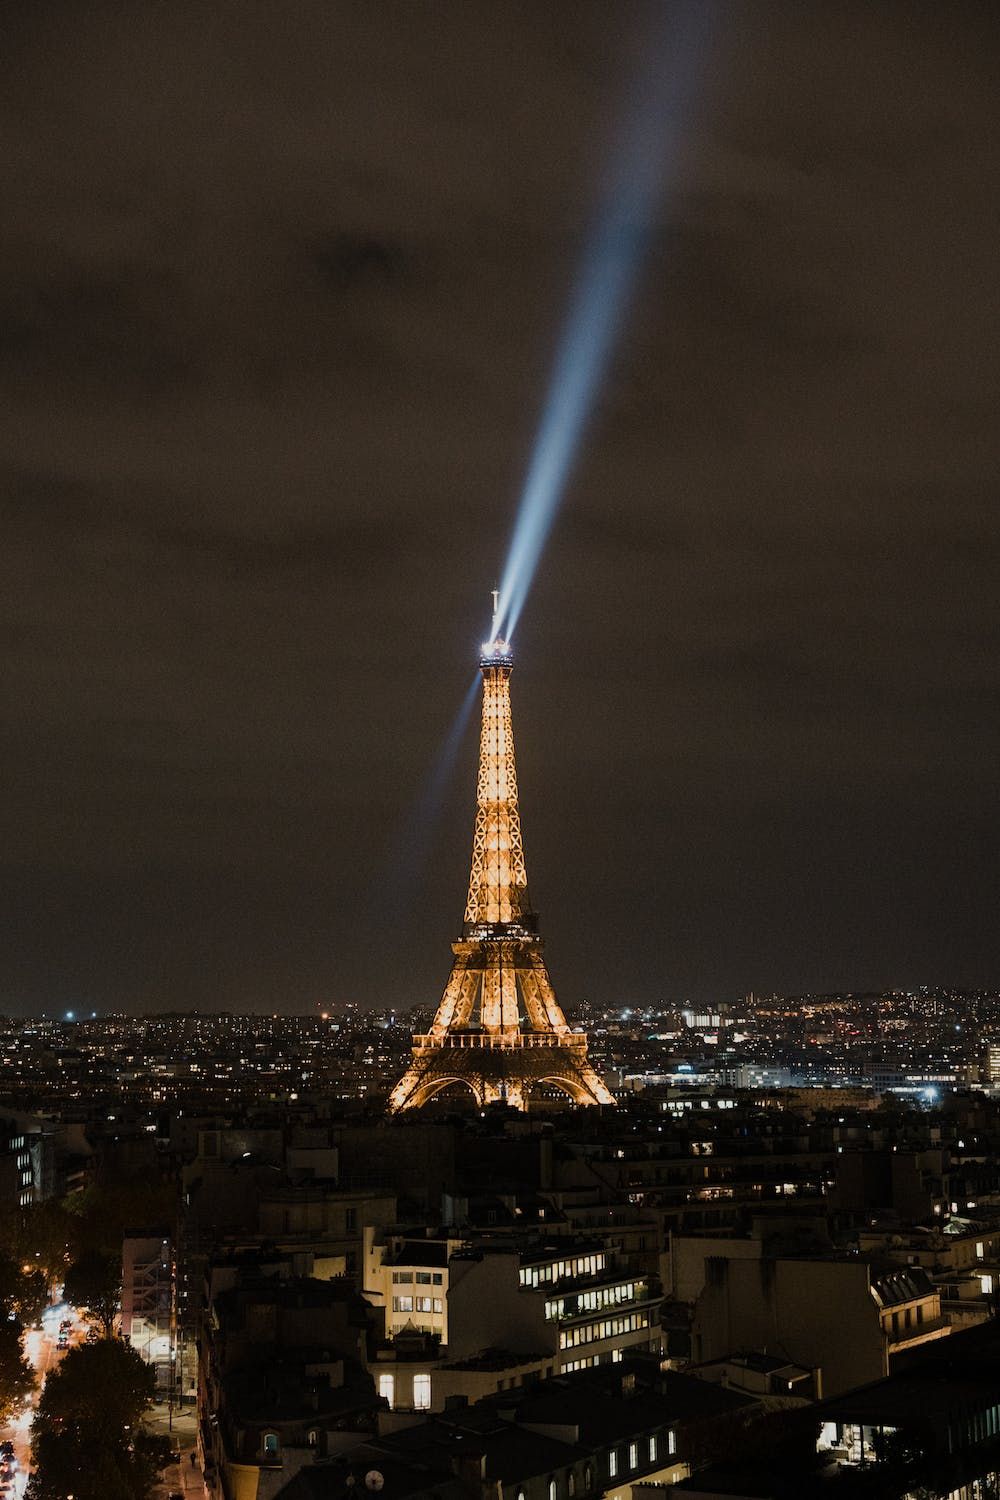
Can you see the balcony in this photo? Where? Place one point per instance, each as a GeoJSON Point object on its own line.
{"type": "Point", "coordinates": [497, 1041]}
{"type": "Point", "coordinates": [919, 1333]}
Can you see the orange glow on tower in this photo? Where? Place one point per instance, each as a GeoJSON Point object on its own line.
{"type": "Point", "coordinates": [499, 1030]}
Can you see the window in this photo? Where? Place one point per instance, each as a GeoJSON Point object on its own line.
{"type": "Point", "coordinates": [553, 1490]}
{"type": "Point", "coordinates": [438, 1305]}
{"type": "Point", "coordinates": [588, 1477]}
{"type": "Point", "coordinates": [421, 1392]}
{"type": "Point", "coordinates": [671, 1441]}
{"type": "Point", "coordinates": [269, 1445]}
{"type": "Point", "coordinates": [980, 1249]}
{"type": "Point", "coordinates": [313, 1437]}
{"type": "Point", "coordinates": [423, 1278]}
{"type": "Point", "coordinates": [652, 1449]}
{"type": "Point", "coordinates": [400, 1277]}
{"type": "Point", "coordinates": [422, 1304]}
{"type": "Point", "coordinates": [402, 1304]}
{"type": "Point", "coordinates": [612, 1463]}
{"type": "Point", "coordinates": [633, 1455]}
{"type": "Point", "coordinates": [436, 1278]}
{"type": "Point", "coordinates": [387, 1387]}
{"type": "Point", "coordinates": [571, 1484]}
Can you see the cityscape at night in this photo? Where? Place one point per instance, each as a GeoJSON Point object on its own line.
{"type": "Point", "coordinates": [447, 444]}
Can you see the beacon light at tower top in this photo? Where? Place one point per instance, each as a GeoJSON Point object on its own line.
{"type": "Point", "coordinates": [496, 653]}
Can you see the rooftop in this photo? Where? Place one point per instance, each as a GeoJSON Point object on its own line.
{"type": "Point", "coordinates": [420, 1253]}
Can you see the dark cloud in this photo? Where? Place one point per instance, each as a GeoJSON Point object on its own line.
{"type": "Point", "coordinates": [279, 291]}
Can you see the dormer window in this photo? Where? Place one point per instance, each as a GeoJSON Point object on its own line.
{"type": "Point", "coordinates": [270, 1445]}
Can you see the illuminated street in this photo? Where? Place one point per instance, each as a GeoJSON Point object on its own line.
{"type": "Point", "coordinates": [41, 1348]}
{"type": "Point", "coordinates": [180, 1475]}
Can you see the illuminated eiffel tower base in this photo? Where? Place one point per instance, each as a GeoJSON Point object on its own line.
{"type": "Point", "coordinates": [499, 1030]}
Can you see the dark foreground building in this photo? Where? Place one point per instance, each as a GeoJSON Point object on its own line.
{"type": "Point", "coordinates": [608, 1431]}
{"type": "Point", "coordinates": [932, 1430]}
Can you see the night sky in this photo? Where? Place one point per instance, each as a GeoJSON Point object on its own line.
{"type": "Point", "coordinates": [280, 290]}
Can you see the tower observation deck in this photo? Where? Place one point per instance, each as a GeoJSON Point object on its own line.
{"type": "Point", "coordinates": [499, 1030]}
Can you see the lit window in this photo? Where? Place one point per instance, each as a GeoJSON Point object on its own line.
{"type": "Point", "coordinates": [270, 1445]}
{"type": "Point", "coordinates": [652, 1449]}
{"type": "Point", "coordinates": [671, 1441]}
{"type": "Point", "coordinates": [633, 1455]}
{"type": "Point", "coordinates": [612, 1463]}
{"type": "Point", "coordinates": [553, 1490]}
{"type": "Point", "coordinates": [421, 1392]}
{"type": "Point", "coordinates": [387, 1387]}
{"type": "Point", "coordinates": [980, 1249]}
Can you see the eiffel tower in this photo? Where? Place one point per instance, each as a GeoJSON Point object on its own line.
{"type": "Point", "coordinates": [499, 1029]}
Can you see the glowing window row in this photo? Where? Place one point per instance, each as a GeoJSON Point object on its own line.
{"type": "Point", "coordinates": [418, 1304]}
{"type": "Point", "coordinates": [555, 1270]}
{"type": "Point", "coordinates": [422, 1278]}
{"type": "Point", "coordinates": [421, 1391]}
{"type": "Point", "coordinates": [594, 1299]}
{"type": "Point", "coordinates": [652, 1446]}
{"type": "Point", "coordinates": [607, 1328]}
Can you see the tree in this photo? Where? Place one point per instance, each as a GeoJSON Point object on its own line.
{"type": "Point", "coordinates": [94, 1282]}
{"type": "Point", "coordinates": [32, 1296]}
{"type": "Point", "coordinates": [42, 1236]}
{"type": "Point", "coordinates": [103, 1211]}
{"type": "Point", "coordinates": [22, 1292]}
{"type": "Point", "coordinates": [88, 1439]}
{"type": "Point", "coordinates": [17, 1379]}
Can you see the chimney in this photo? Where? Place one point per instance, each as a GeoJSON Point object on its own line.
{"type": "Point", "coordinates": [469, 1466]}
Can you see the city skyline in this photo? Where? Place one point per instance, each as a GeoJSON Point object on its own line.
{"type": "Point", "coordinates": [280, 304]}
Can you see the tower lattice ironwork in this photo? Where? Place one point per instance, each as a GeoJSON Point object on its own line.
{"type": "Point", "coordinates": [499, 1029]}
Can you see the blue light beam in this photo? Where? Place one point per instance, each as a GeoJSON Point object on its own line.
{"type": "Point", "coordinates": [410, 857]}
{"type": "Point", "coordinates": [608, 272]}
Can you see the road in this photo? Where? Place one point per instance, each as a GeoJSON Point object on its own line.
{"type": "Point", "coordinates": [41, 1349]}
{"type": "Point", "coordinates": [181, 1476]}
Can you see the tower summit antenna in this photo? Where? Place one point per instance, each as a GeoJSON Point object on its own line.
{"type": "Point", "coordinates": [496, 609]}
